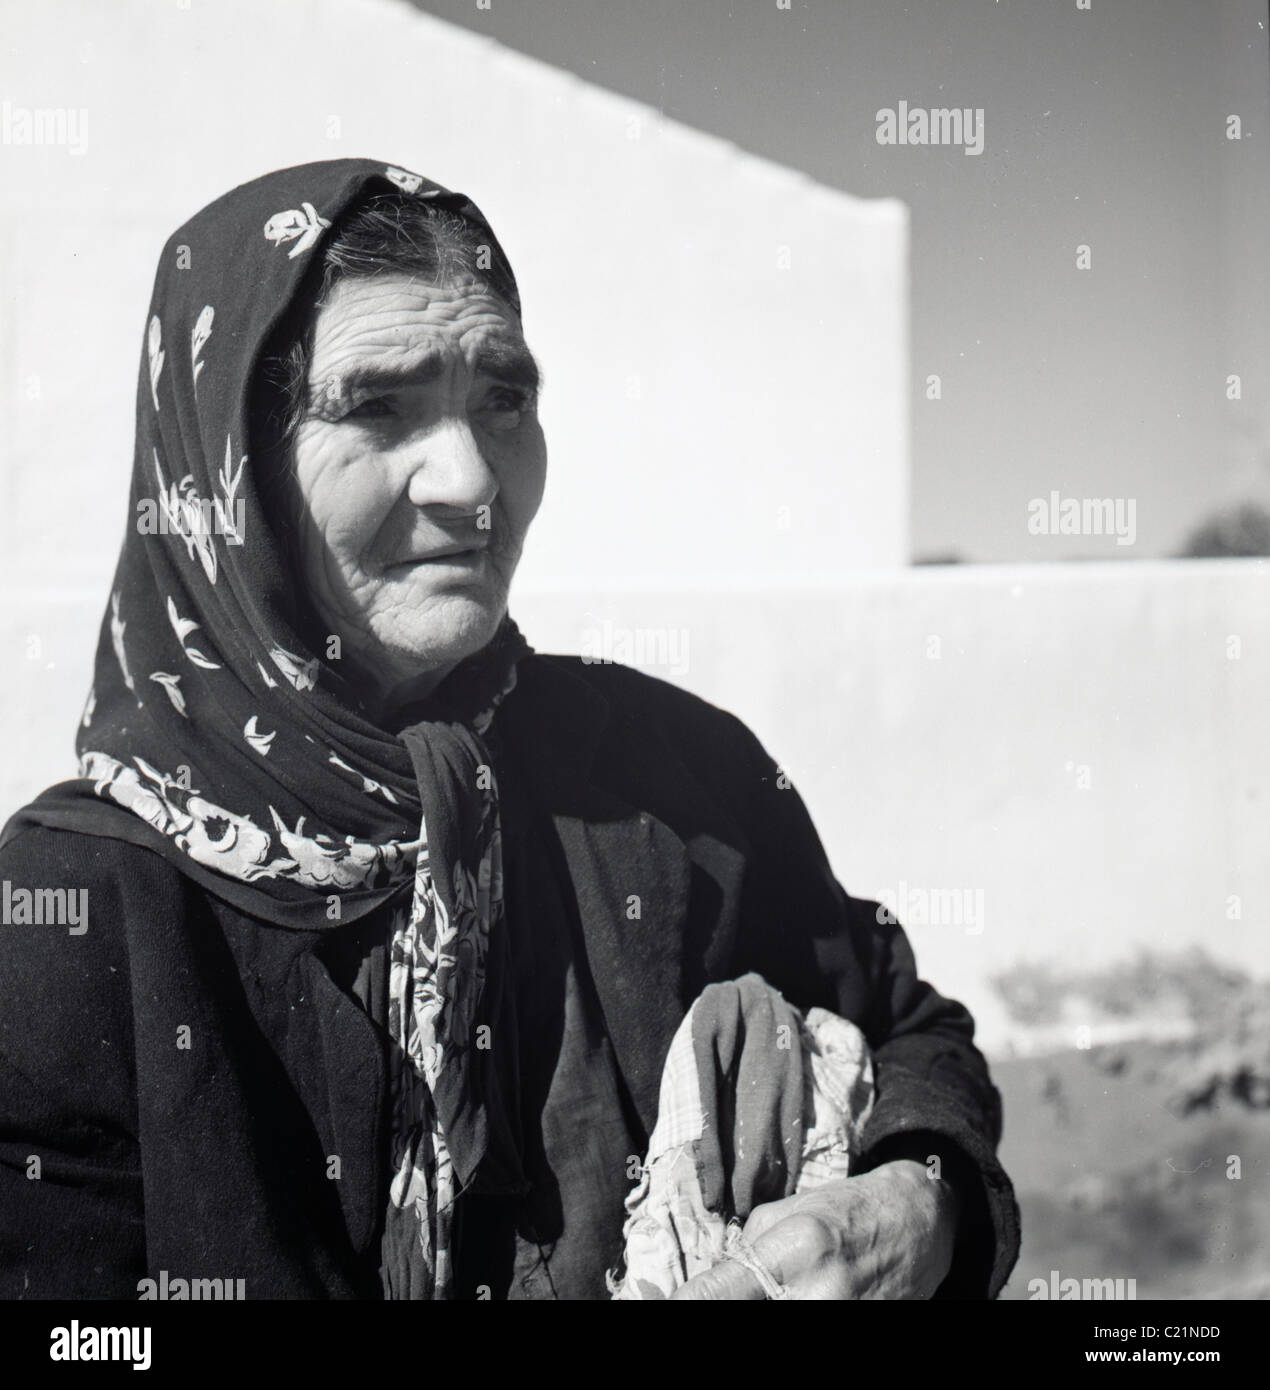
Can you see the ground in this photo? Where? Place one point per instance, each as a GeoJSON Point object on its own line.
{"type": "Point", "coordinates": [1147, 1159]}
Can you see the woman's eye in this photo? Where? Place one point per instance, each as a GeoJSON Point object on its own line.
{"type": "Point", "coordinates": [374, 408]}
{"type": "Point", "coordinates": [506, 402]}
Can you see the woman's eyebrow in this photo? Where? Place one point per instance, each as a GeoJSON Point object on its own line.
{"type": "Point", "coordinates": [509, 362]}
{"type": "Point", "coordinates": [379, 375]}
{"type": "Point", "coordinates": [504, 361]}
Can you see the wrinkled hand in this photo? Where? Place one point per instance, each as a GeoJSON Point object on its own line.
{"type": "Point", "coordinates": [888, 1233]}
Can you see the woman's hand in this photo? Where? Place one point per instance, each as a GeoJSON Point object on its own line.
{"type": "Point", "coordinates": [888, 1233]}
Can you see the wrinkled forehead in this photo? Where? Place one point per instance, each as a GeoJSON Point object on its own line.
{"type": "Point", "coordinates": [393, 304]}
{"type": "Point", "coordinates": [395, 328]}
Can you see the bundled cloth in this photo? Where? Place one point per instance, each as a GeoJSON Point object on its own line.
{"type": "Point", "coordinates": [757, 1103]}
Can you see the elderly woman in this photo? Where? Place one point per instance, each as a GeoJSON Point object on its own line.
{"type": "Point", "coordinates": [394, 927]}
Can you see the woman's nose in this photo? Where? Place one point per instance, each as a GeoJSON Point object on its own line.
{"type": "Point", "coordinates": [449, 471]}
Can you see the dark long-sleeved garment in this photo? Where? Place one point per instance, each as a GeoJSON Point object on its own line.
{"type": "Point", "coordinates": [207, 1095]}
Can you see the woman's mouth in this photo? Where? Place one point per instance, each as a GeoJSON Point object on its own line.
{"type": "Point", "coordinates": [450, 555]}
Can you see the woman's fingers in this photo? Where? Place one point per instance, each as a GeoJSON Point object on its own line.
{"type": "Point", "coordinates": [794, 1249]}
{"type": "Point", "coordinates": [880, 1235]}
{"type": "Point", "coordinates": [724, 1281]}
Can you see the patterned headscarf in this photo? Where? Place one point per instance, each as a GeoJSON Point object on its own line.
{"type": "Point", "coordinates": [215, 736]}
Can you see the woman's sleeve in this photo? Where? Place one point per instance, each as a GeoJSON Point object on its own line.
{"type": "Point", "coordinates": [803, 933]}
{"type": "Point", "coordinates": [71, 1216]}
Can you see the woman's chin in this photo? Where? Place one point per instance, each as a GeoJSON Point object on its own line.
{"type": "Point", "coordinates": [446, 631]}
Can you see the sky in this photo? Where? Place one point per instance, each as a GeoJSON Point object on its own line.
{"type": "Point", "coordinates": [1104, 127]}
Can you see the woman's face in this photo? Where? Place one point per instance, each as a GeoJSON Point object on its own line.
{"type": "Point", "coordinates": [420, 463]}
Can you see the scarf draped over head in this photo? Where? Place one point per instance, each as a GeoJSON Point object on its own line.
{"type": "Point", "coordinates": [215, 736]}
